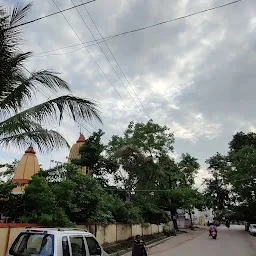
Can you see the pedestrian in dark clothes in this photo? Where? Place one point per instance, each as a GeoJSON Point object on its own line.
{"type": "Point", "coordinates": [139, 248]}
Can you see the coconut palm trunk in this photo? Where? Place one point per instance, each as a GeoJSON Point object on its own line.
{"type": "Point", "coordinates": [21, 125]}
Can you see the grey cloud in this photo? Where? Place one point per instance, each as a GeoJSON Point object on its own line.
{"type": "Point", "coordinates": [203, 65]}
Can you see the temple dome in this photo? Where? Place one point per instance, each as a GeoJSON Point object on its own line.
{"type": "Point", "coordinates": [74, 151]}
{"type": "Point", "coordinates": [26, 168]}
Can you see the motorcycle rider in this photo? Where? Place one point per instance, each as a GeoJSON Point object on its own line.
{"type": "Point", "coordinates": [212, 228]}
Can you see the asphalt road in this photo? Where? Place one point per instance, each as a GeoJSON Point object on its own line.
{"type": "Point", "coordinates": [230, 242]}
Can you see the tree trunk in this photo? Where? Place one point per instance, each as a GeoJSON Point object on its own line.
{"type": "Point", "coordinates": [174, 219]}
{"type": "Point", "coordinates": [191, 222]}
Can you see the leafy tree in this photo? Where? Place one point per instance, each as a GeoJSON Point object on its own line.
{"type": "Point", "coordinates": [93, 157]}
{"type": "Point", "coordinates": [150, 138]}
{"type": "Point", "coordinates": [242, 177]}
{"type": "Point", "coordinates": [138, 152]}
{"type": "Point", "coordinates": [114, 209]}
{"type": "Point", "coordinates": [22, 125]}
{"type": "Point", "coordinates": [240, 139]}
{"type": "Point", "coordinates": [188, 167]}
{"type": "Point", "coordinates": [216, 186]}
{"type": "Point", "coordinates": [11, 205]}
{"type": "Point", "coordinates": [233, 181]}
{"type": "Point", "coordinates": [41, 204]}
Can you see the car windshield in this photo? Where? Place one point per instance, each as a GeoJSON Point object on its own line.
{"type": "Point", "coordinates": [32, 244]}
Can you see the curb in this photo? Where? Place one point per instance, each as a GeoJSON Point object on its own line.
{"type": "Point", "coordinates": [127, 251]}
{"type": "Point", "coordinates": [159, 242]}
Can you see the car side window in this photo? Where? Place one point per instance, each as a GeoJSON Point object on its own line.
{"type": "Point", "coordinates": [93, 246]}
{"type": "Point", "coordinates": [65, 246]}
{"type": "Point", "coordinates": [77, 246]}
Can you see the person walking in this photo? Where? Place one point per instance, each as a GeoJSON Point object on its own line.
{"type": "Point", "coordinates": [139, 248]}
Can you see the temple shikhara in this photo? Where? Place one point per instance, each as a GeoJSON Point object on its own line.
{"type": "Point", "coordinates": [26, 168]}
{"type": "Point", "coordinates": [74, 153]}
{"type": "Point", "coordinates": [28, 165]}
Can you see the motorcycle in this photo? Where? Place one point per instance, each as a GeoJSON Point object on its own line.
{"type": "Point", "coordinates": [214, 234]}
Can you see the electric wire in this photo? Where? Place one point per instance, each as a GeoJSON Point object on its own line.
{"type": "Point", "coordinates": [104, 53]}
{"type": "Point", "coordinates": [143, 108]}
{"type": "Point", "coordinates": [96, 62]}
{"type": "Point", "coordinates": [144, 28]}
{"type": "Point", "coordinates": [49, 15]}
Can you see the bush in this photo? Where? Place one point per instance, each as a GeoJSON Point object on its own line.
{"type": "Point", "coordinates": [170, 232]}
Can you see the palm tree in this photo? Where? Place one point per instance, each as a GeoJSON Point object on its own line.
{"type": "Point", "coordinates": [20, 125]}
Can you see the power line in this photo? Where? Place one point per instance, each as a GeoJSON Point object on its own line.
{"type": "Point", "coordinates": [46, 16]}
{"type": "Point", "coordinates": [159, 190]}
{"type": "Point", "coordinates": [146, 27]}
{"type": "Point", "coordinates": [95, 61]}
{"type": "Point", "coordinates": [143, 109]}
{"type": "Point", "coordinates": [103, 51]}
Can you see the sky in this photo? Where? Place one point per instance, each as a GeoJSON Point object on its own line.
{"type": "Point", "coordinates": [195, 75]}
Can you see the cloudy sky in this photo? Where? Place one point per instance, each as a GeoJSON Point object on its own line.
{"type": "Point", "coordinates": [194, 75]}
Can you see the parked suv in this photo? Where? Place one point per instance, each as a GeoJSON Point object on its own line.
{"type": "Point", "coordinates": [55, 242]}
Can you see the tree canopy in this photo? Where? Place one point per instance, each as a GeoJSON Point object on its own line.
{"type": "Point", "coordinates": [233, 181]}
{"type": "Point", "coordinates": [134, 180]}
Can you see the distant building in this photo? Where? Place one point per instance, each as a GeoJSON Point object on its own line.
{"type": "Point", "coordinates": [202, 217]}
{"type": "Point", "coordinates": [26, 168]}
{"type": "Point", "coordinates": [74, 153]}
{"type": "Point", "coordinates": [198, 217]}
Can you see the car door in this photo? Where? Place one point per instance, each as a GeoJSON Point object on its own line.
{"type": "Point", "coordinates": [94, 248]}
{"type": "Point", "coordinates": [77, 246]}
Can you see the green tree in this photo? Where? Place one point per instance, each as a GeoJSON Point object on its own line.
{"type": "Point", "coordinates": [217, 186]}
{"type": "Point", "coordinates": [188, 167]}
{"type": "Point", "coordinates": [11, 205]}
{"type": "Point", "coordinates": [242, 177]}
{"type": "Point", "coordinates": [93, 156]}
{"type": "Point", "coordinates": [22, 125]}
{"type": "Point", "coordinates": [241, 139]}
{"type": "Point", "coordinates": [138, 152]}
{"type": "Point", "coordinates": [42, 206]}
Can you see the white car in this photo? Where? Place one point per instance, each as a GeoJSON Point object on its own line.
{"type": "Point", "coordinates": [55, 242]}
{"type": "Point", "coordinates": [252, 229]}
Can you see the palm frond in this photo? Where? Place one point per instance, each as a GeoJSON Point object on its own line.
{"type": "Point", "coordinates": [19, 13]}
{"type": "Point", "coordinates": [45, 140]}
{"type": "Point", "coordinates": [18, 124]}
{"type": "Point", "coordinates": [9, 38]}
{"type": "Point", "coordinates": [18, 94]}
{"type": "Point", "coordinates": [52, 110]}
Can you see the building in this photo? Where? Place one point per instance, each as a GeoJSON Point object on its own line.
{"type": "Point", "coordinates": [202, 217]}
{"type": "Point", "coordinates": [74, 153]}
{"type": "Point", "coordinates": [183, 219]}
{"type": "Point", "coordinates": [198, 217]}
{"type": "Point", "coordinates": [26, 168]}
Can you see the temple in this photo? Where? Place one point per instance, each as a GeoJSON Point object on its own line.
{"type": "Point", "coordinates": [74, 153]}
{"type": "Point", "coordinates": [26, 168]}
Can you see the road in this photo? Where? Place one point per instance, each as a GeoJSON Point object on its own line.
{"type": "Point", "coordinates": [230, 242]}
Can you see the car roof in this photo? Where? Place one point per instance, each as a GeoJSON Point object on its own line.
{"type": "Point", "coordinates": [59, 230]}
